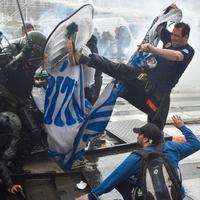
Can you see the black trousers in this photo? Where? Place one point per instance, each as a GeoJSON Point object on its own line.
{"type": "Point", "coordinates": [138, 93]}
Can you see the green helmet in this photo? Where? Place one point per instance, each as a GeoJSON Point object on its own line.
{"type": "Point", "coordinates": [34, 46]}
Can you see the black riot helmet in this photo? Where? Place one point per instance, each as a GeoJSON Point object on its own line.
{"type": "Point", "coordinates": [33, 47]}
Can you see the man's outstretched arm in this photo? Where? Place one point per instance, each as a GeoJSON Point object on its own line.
{"type": "Point", "coordinates": [165, 53]}
{"type": "Point", "coordinates": [192, 143]}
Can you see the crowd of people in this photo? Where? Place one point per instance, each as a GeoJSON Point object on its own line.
{"type": "Point", "coordinates": [113, 45]}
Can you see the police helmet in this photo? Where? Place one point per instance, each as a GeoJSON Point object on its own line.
{"type": "Point", "coordinates": [34, 46]}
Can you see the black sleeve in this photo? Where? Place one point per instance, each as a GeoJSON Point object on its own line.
{"type": "Point", "coordinates": [96, 87]}
{"type": "Point", "coordinates": [5, 174]}
{"type": "Point", "coordinates": [92, 44]}
{"type": "Point", "coordinates": [165, 36]}
{"type": "Point", "coordinates": [188, 53]}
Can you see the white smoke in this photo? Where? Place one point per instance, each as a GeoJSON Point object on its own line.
{"type": "Point", "coordinates": [141, 13]}
{"type": "Point", "coordinates": [137, 14]}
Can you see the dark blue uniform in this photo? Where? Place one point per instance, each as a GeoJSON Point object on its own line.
{"type": "Point", "coordinates": [167, 73]}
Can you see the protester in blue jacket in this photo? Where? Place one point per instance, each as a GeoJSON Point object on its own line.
{"type": "Point", "coordinates": [149, 136]}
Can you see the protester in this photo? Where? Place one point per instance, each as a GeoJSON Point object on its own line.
{"type": "Point", "coordinates": [149, 136]}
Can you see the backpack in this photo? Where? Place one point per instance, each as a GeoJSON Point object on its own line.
{"type": "Point", "coordinates": [158, 180]}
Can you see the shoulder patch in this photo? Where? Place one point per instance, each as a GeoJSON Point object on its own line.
{"type": "Point", "coordinates": [167, 45]}
{"type": "Point", "coordinates": [186, 51]}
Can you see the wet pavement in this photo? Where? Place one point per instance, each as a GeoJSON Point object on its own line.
{"type": "Point", "coordinates": [116, 146]}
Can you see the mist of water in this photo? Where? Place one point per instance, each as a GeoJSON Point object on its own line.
{"type": "Point", "coordinates": [143, 12]}
{"type": "Point", "coordinates": [138, 14]}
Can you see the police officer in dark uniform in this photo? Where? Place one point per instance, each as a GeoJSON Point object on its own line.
{"type": "Point", "coordinates": [15, 94]}
{"type": "Point", "coordinates": [149, 90]}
